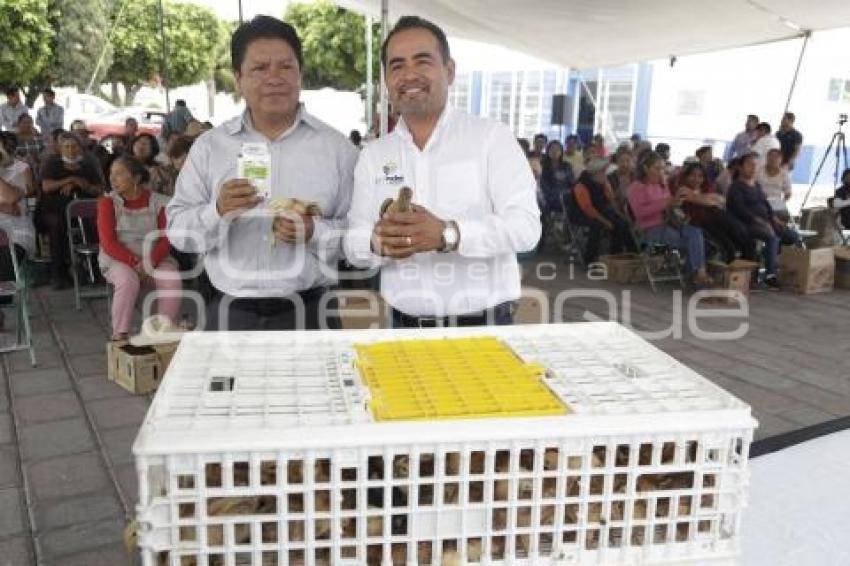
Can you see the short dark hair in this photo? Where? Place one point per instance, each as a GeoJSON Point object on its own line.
{"type": "Point", "coordinates": [542, 136]}
{"type": "Point", "coordinates": [662, 147]}
{"type": "Point", "coordinates": [180, 102]}
{"type": "Point", "coordinates": [752, 117]}
{"type": "Point", "coordinates": [131, 118]}
{"type": "Point", "coordinates": [12, 90]}
{"type": "Point", "coordinates": [9, 141]}
{"type": "Point", "coordinates": [262, 27]}
{"type": "Point", "coordinates": [690, 167]}
{"type": "Point", "coordinates": [647, 158]}
{"type": "Point", "coordinates": [790, 116]}
{"type": "Point", "coordinates": [134, 166]}
{"type": "Point", "coordinates": [49, 91]}
{"type": "Point", "coordinates": [702, 150]}
{"type": "Point", "coordinates": [22, 116]}
{"type": "Point", "coordinates": [764, 127]}
{"type": "Point", "coordinates": [68, 136]}
{"type": "Point", "coordinates": [415, 22]}
{"type": "Point", "coordinates": [180, 146]}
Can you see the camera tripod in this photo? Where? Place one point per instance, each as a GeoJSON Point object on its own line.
{"type": "Point", "coordinates": [840, 144]}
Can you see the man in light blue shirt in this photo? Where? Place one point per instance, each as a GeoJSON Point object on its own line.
{"type": "Point", "coordinates": [51, 116]}
{"type": "Point", "coordinates": [271, 269]}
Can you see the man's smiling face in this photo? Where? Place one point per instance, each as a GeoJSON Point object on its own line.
{"type": "Point", "coordinates": [418, 78]}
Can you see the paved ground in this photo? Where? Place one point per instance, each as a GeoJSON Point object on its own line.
{"type": "Point", "coordinates": [67, 480]}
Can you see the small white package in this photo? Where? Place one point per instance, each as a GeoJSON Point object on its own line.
{"type": "Point", "coordinates": [255, 164]}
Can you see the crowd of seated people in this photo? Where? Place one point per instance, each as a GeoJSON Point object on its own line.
{"type": "Point", "coordinates": [130, 173]}
{"type": "Point", "coordinates": [703, 207]}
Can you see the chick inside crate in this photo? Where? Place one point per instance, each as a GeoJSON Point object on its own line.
{"type": "Point", "coordinates": [551, 444]}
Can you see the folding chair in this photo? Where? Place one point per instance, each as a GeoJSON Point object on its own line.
{"type": "Point", "coordinates": [661, 262]}
{"type": "Point", "coordinates": [575, 235]}
{"type": "Point", "coordinates": [18, 291]}
{"type": "Point", "coordinates": [77, 213]}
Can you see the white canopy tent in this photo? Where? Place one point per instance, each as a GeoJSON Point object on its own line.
{"type": "Point", "coordinates": [583, 34]}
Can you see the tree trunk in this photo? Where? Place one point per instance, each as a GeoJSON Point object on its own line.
{"type": "Point", "coordinates": [130, 92]}
{"type": "Point", "coordinates": [31, 94]}
{"type": "Point", "coordinates": [116, 100]}
{"type": "Point", "coordinates": [211, 96]}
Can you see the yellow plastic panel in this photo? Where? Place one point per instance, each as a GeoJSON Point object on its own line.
{"type": "Point", "coordinates": [454, 378]}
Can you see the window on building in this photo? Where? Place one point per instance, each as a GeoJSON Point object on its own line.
{"type": "Point", "coordinates": [459, 92]}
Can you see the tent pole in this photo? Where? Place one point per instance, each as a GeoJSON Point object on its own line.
{"type": "Point", "coordinates": [370, 89]}
{"type": "Point", "coordinates": [164, 55]}
{"type": "Point", "coordinates": [385, 106]}
{"type": "Point", "coordinates": [806, 35]}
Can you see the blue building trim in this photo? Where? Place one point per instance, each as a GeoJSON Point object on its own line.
{"type": "Point", "coordinates": [475, 95]}
{"type": "Point", "coordinates": [643, 89]}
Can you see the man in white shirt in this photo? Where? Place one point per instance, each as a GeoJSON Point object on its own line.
{"type": "Point", "coordinates": [271, 269]}
{"type": "Point", "coordinates": [452, 258]}
{"type": "Point", "coordinates": [12, 110]}
{"type": "Point", "coordinates": [764, 143]}
{"type": "Point", "coordinates": [51, 116]}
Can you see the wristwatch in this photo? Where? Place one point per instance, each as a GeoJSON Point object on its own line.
{"type": "Point", "coordinates": [451, 237]}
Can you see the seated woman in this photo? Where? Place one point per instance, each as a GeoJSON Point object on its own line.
{"type": "Point", "coordinates": [597, 209]}
{"type": "Point", "coordinates": [621, 177]}
{"type": "Point", "coordinates": [13, 217]}
{"type": "Point", "coordinates": [125, 218]}
{"type": "Point", "coordinates": [650, 201]}
{"type": "Point", "coordinates": [556, 177]}
{"type": "Point", "coordinates": [68, 175]}
{"type": "Point", "coordinates": [747, 202]}
{"type": "Point", "coordinates": [145, 148]}
{"type": "Point", "coordinates": [707, 210]}
{"type": "Point", "coordinates": [164, 177]}
{"type": "Point", "coordinates": [775, 181]}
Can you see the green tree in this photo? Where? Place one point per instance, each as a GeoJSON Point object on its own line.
{"type": "Point", "coordinates": [334, 44]}
{"type": "Point", "coordinates": [191, 35]}
{"type": "Point", "coordinates": [26, 35]}
{"type": "Point", "coordinates": [223, 70]}
{"type": "Point", "coordinates": [80, 31]}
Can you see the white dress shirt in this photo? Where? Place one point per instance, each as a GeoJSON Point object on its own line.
{"type": "Point", "coordinates": [310, 161]}
{"type": "Point", "coordinates": [9, 115]}
{"type": "Point", "coordinates": [472, 171]}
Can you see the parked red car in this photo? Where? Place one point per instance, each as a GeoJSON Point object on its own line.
{"type": "Point", "coordinates": [150, 122]}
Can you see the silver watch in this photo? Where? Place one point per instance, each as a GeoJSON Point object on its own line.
{"type": "Point", "coordinates": [451, 237]}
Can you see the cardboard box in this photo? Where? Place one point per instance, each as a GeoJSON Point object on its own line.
{"type": "Point", "coordinates": [842, 267]}
{"type": "Point", "coordinates": [138, 369]}
{"type": "Point", "coordinates": [807, 271]}
{"type": "Point", "coordinates": [735, 276]}
{"type": "Point", "coordinates": [624, 268]}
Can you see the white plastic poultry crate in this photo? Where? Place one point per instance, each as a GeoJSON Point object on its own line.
{"type": "Point", "coordinates": [261, 448]}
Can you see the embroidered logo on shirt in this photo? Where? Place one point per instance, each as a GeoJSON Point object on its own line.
{"type": "Point", "coordinates": [391, 175]}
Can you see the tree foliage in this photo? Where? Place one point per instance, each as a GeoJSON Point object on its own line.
{"type": "Point", "coordinates": [223, 70]}
{"type": "Point", "coordinates": [80, 29]}
{"type": "Point", "coordinates": [26, 35]}
{"type": "Point", "coordinates": [334, 44]}
{"type": "Point", "coordinates": [191, 35]}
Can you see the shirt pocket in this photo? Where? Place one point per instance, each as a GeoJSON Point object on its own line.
{"type": "Point", "coordinates": [459, 188]}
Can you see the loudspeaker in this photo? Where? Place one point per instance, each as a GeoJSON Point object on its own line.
{"type": "Point", "coordinates": [562, 109]}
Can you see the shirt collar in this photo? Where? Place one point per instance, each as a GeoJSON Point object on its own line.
{"type": "Point", "coordinates": [243, 122]}
{"type": "Point", "coordinates": [442, 123]}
